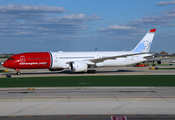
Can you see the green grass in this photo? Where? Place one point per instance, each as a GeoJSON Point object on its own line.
{"type": "Point", "coordinates": [77, 81]}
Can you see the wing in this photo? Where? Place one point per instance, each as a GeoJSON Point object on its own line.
{"type": "Point", "coordinates": [157, 59]}
{"type": "Point", "coordinates": [114, 57]}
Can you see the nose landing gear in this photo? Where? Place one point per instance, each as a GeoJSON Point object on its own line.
{"type": "Point", "coordinates": [17, 71]}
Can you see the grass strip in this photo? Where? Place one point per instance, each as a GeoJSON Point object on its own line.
{"type": "Point", "coordinates": [88, 81]}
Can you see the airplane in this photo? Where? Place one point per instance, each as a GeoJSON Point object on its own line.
{"type": "Point", "coordinates": [81, 61]}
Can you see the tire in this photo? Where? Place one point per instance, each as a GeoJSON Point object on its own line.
{"type": "Point", "coordinates": [91, 71]}
{"type": "Point", "coordinates": [18, 73]}
{"type": "Point", "coordinates": [8, 76]}
{"type": "Point", "coordinates": [94, 71]}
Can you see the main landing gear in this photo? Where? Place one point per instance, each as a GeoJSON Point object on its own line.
{"type": "Point", "coordinates": [17, 71]}
{"type": "Point", "coordinates": [91, 70]}
{"type": "Point", "coordinates": [153, 64]}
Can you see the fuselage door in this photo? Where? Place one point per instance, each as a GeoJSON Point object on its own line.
{"type": "Point", "coordinates": [55, 58]}
{"type": "Point", "coordinates": [22, 58]}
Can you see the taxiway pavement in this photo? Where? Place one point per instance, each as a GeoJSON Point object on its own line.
{"type": "Point", "coordinates": [100, 71]}
{"type": "Point", "coordinates": [87, 101]}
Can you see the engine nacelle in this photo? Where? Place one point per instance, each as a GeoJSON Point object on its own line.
{"type": "Point", "coordinates": [78, 66]}
{"type": "Point", "coordinates": [159, 62]}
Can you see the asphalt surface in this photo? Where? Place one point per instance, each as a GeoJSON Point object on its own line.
{"type": "Point", "coordinates": [100, 71]}
{"type": "Point", "coordinates": [87, 101]}
{"type": "Point", "coordinates": [137, 103]}
{"type": "Point", "coordinates": [90, 117]}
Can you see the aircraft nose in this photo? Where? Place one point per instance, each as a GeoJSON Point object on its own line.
{"type": "Point", "coordinates": [5, 64]}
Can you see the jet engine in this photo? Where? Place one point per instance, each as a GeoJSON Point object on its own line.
{"type": "Point", "coordinates": [78, 66]}
{"type": "Point", "coordinates": [159, 62]}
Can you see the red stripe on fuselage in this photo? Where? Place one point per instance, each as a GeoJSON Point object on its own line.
{"type": "Point", "coordinates": [33, 60]}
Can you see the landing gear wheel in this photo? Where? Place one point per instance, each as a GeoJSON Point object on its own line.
{"type": "Point", "coordinates": [94, 71]}
{"type": "Point", "coordinates": [18, 73]}
{"type": "Point", "coordinates": [153, 65]}
{"type": "Point", "coordinates": [91, 71]}
{"type": "Point", "coordinates": [88, 71]}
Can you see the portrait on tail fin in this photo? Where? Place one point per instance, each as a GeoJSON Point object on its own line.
{"type": "Point", "coordinates": [145, 44]}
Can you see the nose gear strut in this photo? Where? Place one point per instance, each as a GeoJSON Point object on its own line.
{"type": "Point", "coordinates": [17, 71]}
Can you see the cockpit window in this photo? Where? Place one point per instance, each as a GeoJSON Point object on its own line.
{"type": "Point", "coordinates": [11, 59]}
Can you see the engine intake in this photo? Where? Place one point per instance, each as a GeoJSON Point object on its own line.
{"type": "Point", "coordinates": [78, 66]}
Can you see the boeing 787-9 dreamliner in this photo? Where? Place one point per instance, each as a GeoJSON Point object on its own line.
{"type": "Point", "coordinates": [81, 61]}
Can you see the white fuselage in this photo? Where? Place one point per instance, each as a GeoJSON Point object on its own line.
{"type": "Point", "coordinates": [60, 59]}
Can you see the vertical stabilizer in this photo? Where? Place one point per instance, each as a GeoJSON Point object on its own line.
{"type": "Point", "coordinates": [145, 44]}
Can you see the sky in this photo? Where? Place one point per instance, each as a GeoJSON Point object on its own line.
{"type": "Point", "coordinates": [81, 25]}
